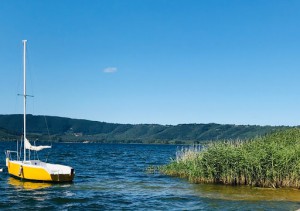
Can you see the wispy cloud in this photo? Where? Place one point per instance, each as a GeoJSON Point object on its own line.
{"type": "Point", "coordinates": [110, 70]}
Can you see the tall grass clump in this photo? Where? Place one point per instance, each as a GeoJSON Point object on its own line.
{"type": "Point", "coordinates": [269, 161]}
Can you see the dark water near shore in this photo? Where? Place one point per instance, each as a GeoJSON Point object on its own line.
{"type": "Point", "coordinates": [114, 177]}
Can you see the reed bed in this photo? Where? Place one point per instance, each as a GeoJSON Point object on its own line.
{"type": "Point", "coordinates": [269, 161]}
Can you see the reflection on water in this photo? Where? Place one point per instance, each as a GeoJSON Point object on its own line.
{"type": "Point", "coordinates": [27, 185]}
{"type": "Point", "coordinates": [237, 193]}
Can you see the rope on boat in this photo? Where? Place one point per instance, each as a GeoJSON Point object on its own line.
{"type": "Point", "coordinates": [21, 171]}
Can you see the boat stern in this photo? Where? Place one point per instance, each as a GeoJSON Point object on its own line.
{"type": "Point", "coordinates": [60, 173]}
{"type": "Point", "coordinates": [62, 177]}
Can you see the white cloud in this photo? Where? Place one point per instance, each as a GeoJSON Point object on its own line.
{"type": "Point", "coordinates": [110, 70]}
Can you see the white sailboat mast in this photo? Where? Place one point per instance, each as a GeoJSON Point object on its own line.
{"type": "Point", "coordinates": [24, 70]}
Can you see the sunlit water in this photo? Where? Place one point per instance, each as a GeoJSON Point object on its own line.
{"type": "Point", "coordinates": [114, 177]}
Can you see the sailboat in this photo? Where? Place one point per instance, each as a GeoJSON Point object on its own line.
{"type": "Point", "coordinates": [34, 170]}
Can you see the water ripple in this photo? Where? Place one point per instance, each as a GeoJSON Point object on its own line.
{"type": "Point", "coordinates": [113, 177]}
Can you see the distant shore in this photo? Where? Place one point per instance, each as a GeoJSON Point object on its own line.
{"type": "Point", "coordinates": [61, 129]}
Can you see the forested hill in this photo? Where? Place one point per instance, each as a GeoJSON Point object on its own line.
{"type": "Point", "coordinates": [66, 129]}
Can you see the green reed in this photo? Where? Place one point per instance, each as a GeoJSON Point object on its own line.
{"type": "Point", "coordinates": [269, 161]}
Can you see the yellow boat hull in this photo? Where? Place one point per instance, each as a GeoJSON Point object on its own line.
{"type": "Point", "coordinates": [27, 171]}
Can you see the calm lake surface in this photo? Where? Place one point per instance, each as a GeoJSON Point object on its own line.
{"type": "Point", "coordinates": [114, 177]}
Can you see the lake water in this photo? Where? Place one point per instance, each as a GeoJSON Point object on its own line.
{"type": "Point", "coordinates": [114, 177]}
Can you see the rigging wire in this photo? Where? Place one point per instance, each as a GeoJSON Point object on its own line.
{"type": "Point", "coordinates": [48, 137]}
{"type": "Point", "coordinates": [21, 145]}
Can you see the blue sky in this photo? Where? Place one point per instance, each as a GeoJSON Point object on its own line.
{"type": "Point", "coordinates": [154, 61]}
